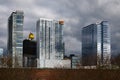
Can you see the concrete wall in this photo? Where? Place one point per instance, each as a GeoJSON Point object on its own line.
{"type": "Point", "coordinates": [55, 63]}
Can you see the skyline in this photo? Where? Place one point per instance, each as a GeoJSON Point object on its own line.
{"type": "Point", "coordinates": [84, 13]}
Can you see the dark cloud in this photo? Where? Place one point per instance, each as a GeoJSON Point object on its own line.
{"type": "Point", "coordinates": [76, 13]}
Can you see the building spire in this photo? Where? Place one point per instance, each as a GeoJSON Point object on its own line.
{"type": "Point", "coordinates": [31, 36]}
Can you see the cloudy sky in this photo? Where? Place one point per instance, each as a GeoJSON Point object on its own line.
{"type": "Point", "coordinates": [76, 14]}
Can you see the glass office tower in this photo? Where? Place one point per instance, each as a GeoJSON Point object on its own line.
{"type": "Point", "coordinates": [50, 45]}
{"type": "Point", "coordinates": [105, 43]}
{"type": "Point", "coordinates": [96, 48]}
{"type": "Point", "coordinates": [15, 37]}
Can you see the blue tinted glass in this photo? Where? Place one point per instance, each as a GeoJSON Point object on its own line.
{"type": "Point", "coordinates": [19, 21]}
{"type": "Point", "coordinates": [19, 37]}
{"type": "Point", "coordinates": [105, 23]}
{"type": "Point", "coordinates": [19, 45]}
{"type": "Point", "coordinates": [19, 17]}
{"type": "Point", "coordinates": [19, 41]}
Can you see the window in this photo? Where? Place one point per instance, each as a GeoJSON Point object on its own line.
{"type": "Point", "coordinates": [19, 44]}
{"type": "Point", "coordinates": [19, 17]}
{"type": "Point", "coordinates": [19, 28]}
{"type": "Point", "coordinates": [19, 21]}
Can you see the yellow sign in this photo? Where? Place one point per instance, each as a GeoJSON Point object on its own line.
{"type": "Point", "coordinates": [31, 36]}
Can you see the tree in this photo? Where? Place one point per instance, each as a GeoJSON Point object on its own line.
{"type": "Point", "coordinates": [9, 61]}
{"type": "Point", "coordinates": [116, 60]}
{"type": "Point", "coordinates": [6, 61]}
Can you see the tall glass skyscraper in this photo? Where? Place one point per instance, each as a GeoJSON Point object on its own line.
{"type": "Point", "coordinates": [50, 45]}
{"type": "Point", "coordinates": [96, 46]}
{"type": "Point", "coordinates": [15, 38]}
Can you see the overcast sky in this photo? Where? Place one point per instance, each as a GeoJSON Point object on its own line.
{"type": "Point", "coordinates": [75, 13]}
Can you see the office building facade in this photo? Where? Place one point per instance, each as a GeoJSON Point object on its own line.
{"type": "Point", "coordinates": [50, 45]}
{"type": "Point", "coordinates": [29, 53]}
{"type": "Point", "coordinates": [15, 38]}
{"type": "Point", "coordinates": [96, 46]}
{"type": "Point", "coordinates": [75, 62]}
{"type": "Point", "coordinates": [1, 52]}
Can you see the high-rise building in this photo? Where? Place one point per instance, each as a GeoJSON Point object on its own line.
{"type": "Point", "coordinates": [96, 46]}
{"type": "Point", "coordinates": [1, 52]}
{"type": "Point", "coordinates": [1, 56]}
{"type": "Point", "coordinates": [75, 61]}
{"type": "Point", "coordinates": [15, 38]}
{"type": "Point", "coordinates": [29, 53]}
{"type": "Point", "coordinates": [50, 45]}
